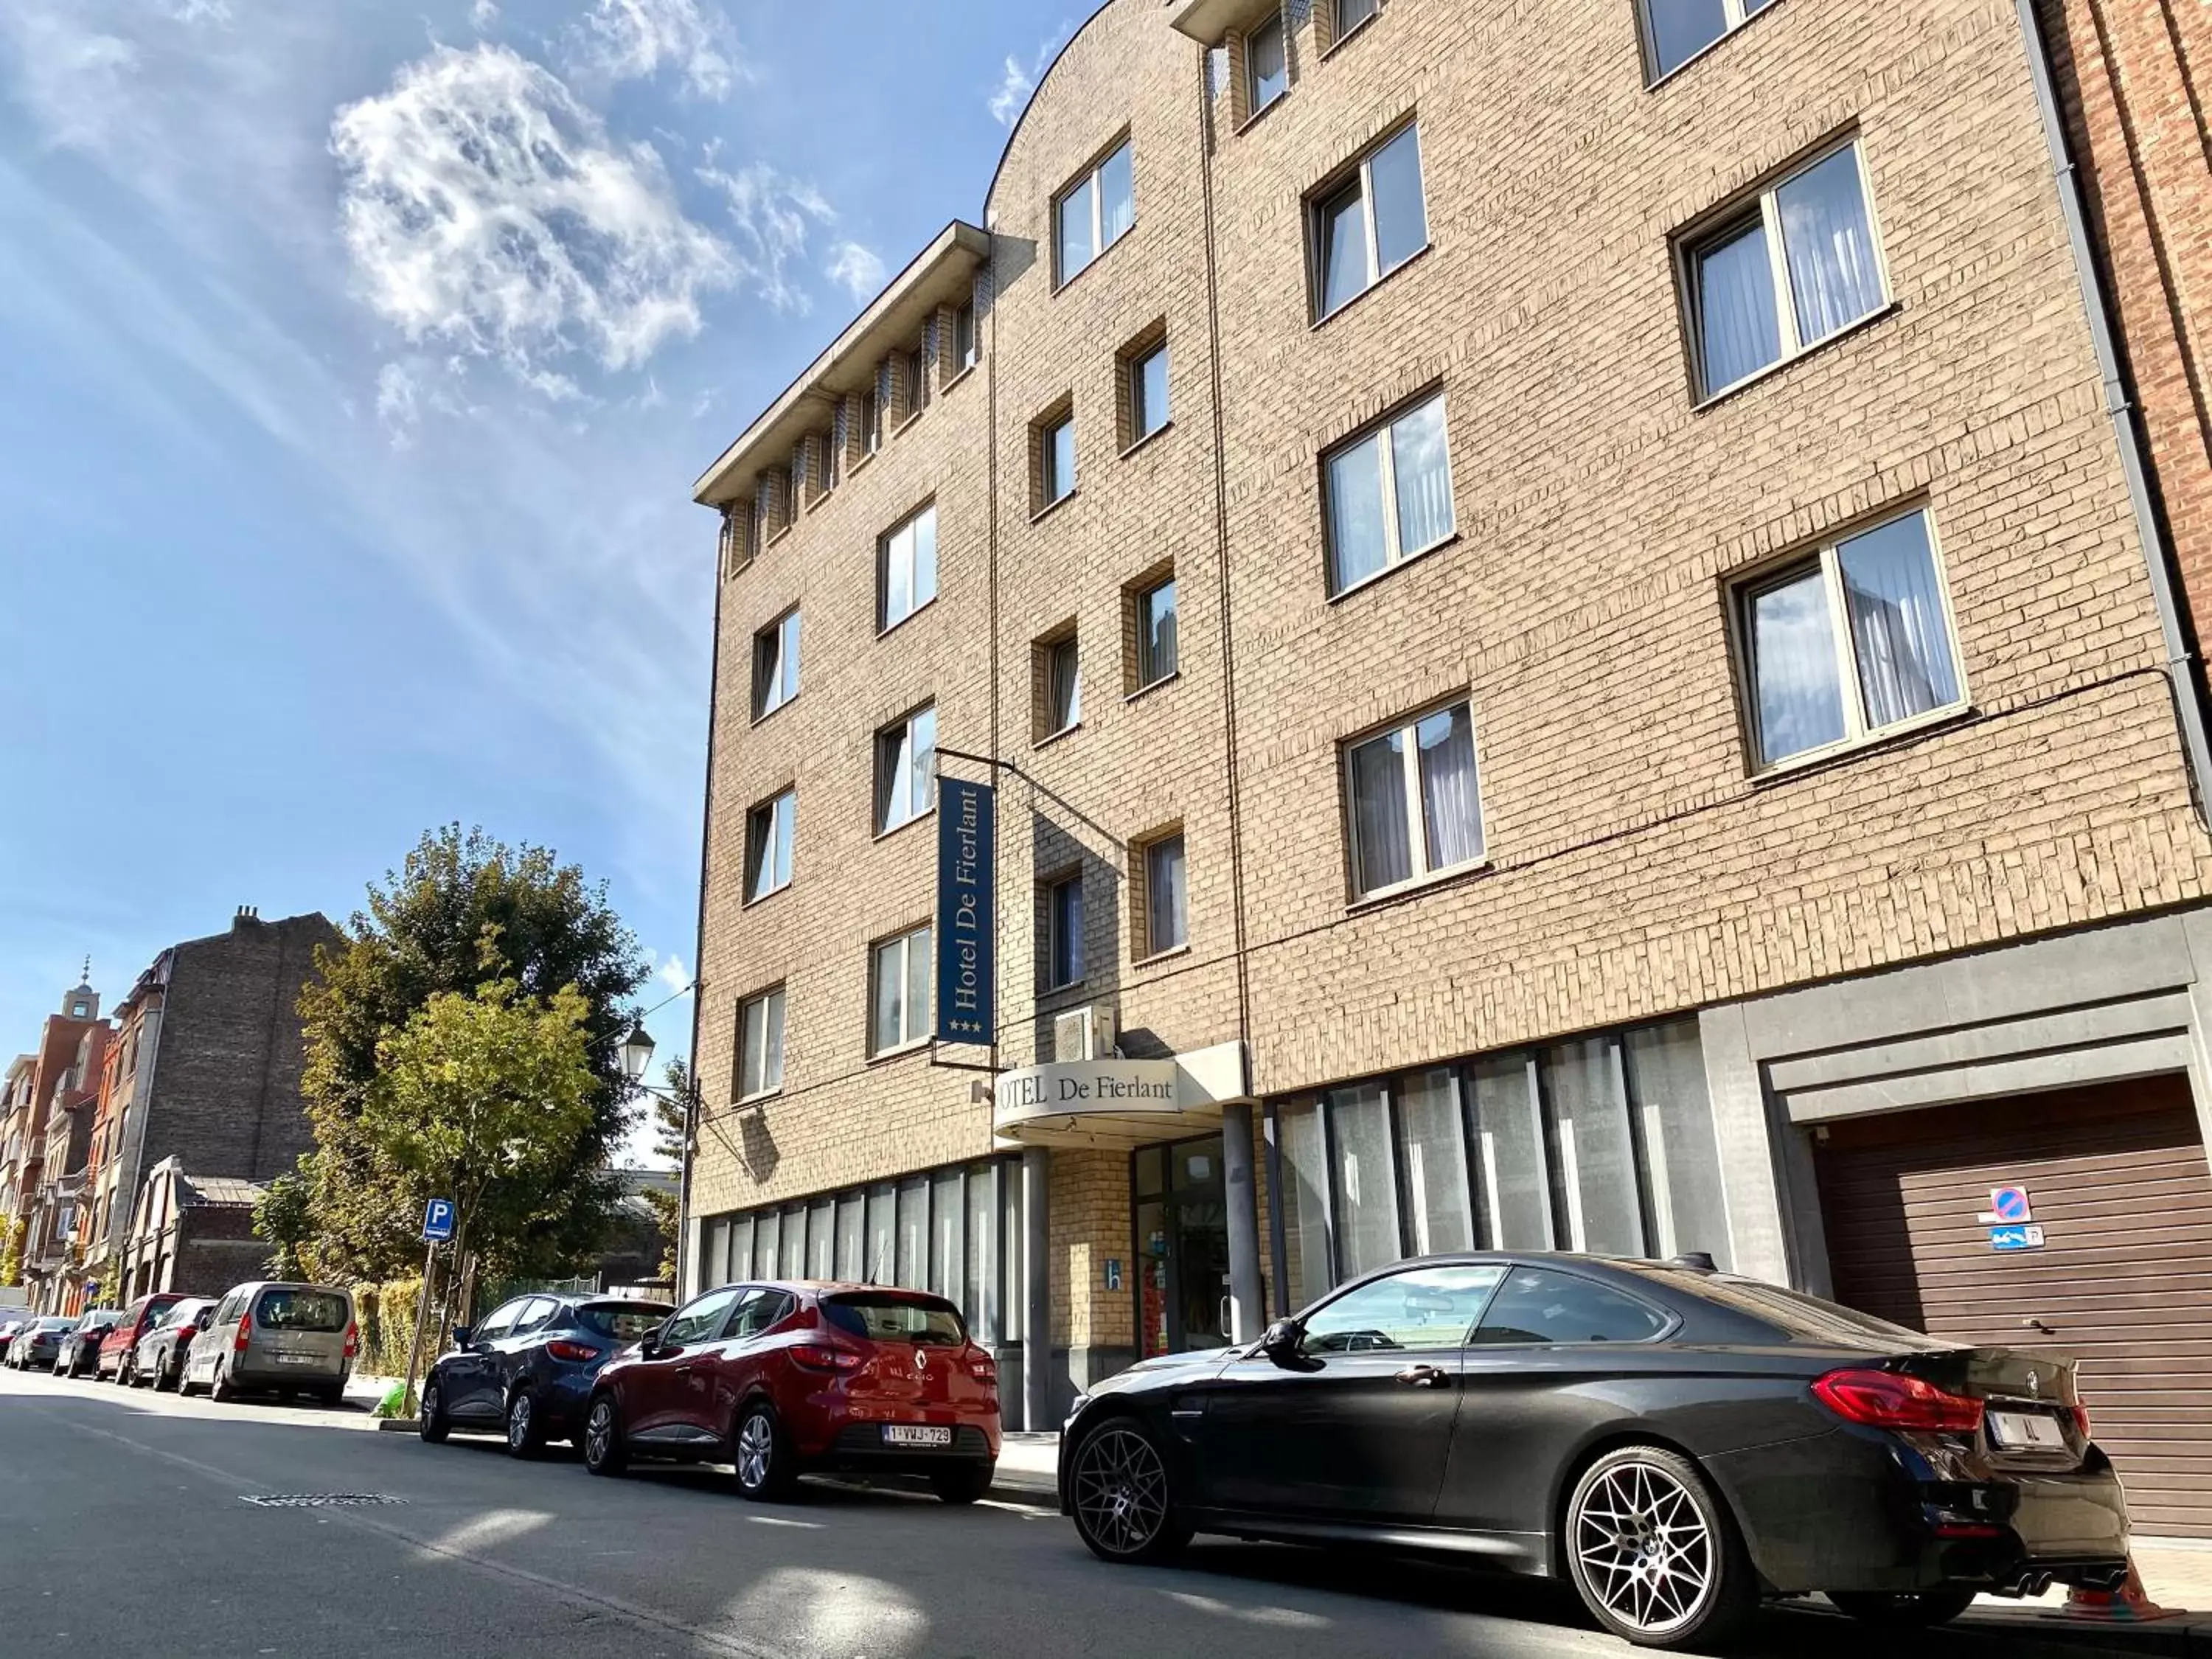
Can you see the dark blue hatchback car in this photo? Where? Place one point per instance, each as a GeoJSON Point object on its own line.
{"type": "Point", "coordinates": [527, 1369]}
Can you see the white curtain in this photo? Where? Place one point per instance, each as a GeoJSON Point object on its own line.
{"type": "Point", "coordinates": [1829, 246]}
{"type": "Point", "coordinates": [1381, 837]}
{"type": "Point", "coordinates": [921, 780]}
{"type": "Point", "coordinates": [1420, 457]}
{"type": "Point", "coordinates": [1897, 621]}
{"type": "Point", "coordinates": [1449, 801]}
{"type": "Point", "coordinates": [1738, 331]}
{"type": "Point", "coordinates": [1117, 199]}
{"type": "Point", "coordinates": [1793, 665]}
{"type": "Point", "coordinates": [1165, 895]}
{"type": "Point", "coordinates": [890, 995]}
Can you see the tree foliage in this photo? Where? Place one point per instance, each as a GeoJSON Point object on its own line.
{"type": "Point", "coordinates": [463, 911]}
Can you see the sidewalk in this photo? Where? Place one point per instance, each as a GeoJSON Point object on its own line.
{"type": "Point", "coordinates": [1028, 1468]}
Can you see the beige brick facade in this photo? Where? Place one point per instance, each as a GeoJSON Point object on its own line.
{"type": "Point", "coordinates": [1636, 864]}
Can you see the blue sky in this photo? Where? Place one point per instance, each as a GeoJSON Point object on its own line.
{"type": "Point", "coordinates": [356, 359]}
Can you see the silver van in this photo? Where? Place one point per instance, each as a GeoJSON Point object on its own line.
{"type": "Point", "coordinates": [283, 1338]}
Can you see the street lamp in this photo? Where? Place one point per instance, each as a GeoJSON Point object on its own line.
{"type": "Point", "coordinates": [636, 1052]}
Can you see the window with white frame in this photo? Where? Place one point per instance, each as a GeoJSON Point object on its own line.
{"type": "Point", "coordinates": [906, 769]}
{"type": "Point", "coordinates": [1389, 495]}
{"type": "Point", "coordinates": [1372, 223]}
{"type": "Point", "coordinates": [1351, 14]}
{"type": "Point", "coordinates": [906, 569]}
{"type": "Point", "coordinates": [1063, 687]}
{"type": "Point", "coordinates": [1853, 640]}
{"type": "Point", "coordinates": [760, 1044]}
{"type": "Point", "coordinates": [1266, 63]}
{"type": "Point", "coordinates": [917, 378]}
{"type": "Point", "coordinates": [1415, 805]}
{"type": "Point", "coordinates": [1675, 30]}
{"type": "Point", "coordinates": [769, 828]}
{"type": "Point", "coordinates": [1148, 392]}
{"type": "Point", "coordinates": [899, 974]}
{"type": "Point", "coordinates": [775, 664]}
{"type": "Point", "coordinates": [1797, 264]}
{"type": "Point", "coordinates": [1157, 656]}
{"type": "Point", "coordinates": [871, 421]}
{"type": "Point", "coordinates": [1063, 929]}
{"type": "Point", "coordinates": [964, 348]}
{"type": "Point", "coordinates": [1055, 460]}
{"type": "Point", "coordinates": [1167, 895]}
{"type": "Point", "coordinates": [1093, 213]}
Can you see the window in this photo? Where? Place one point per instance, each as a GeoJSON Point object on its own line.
{"type": "Point", "coordinates": [775, 664]}
{"type": "Point", "coordinates": [1351, 14]}
{"type": "Point", "coordinates": [760, 1044]}
{"type": "Point", "coordinates": [899, 979]}
{"type": "Point", "coordinates": [833, 449]}
{"type": "Point", "coordinates": [1849, 642]}
{"type": "Point", "coordinates": [1416, 808]}
{"type": "Point", "coordinates": [907, 569]}
{"type": "Point", "coordinates": [1422, 1308]}
{"type": "Point", "coordinates": [1675, 30]}
{"type": "Point", "coordinates": [1156, 633]}
{"type": "Point", "coordinates": [1364, 1198]}
{"type": "Point", "coordinates": [1536, 1304]}
{"type": "Point", "coordinates": [1266, 63]}
{"type": "Point", "coordinates": [871, 421]}
{"type": "Point", "coordinates": [1166, 895]}
{"type": "Point", "coordinates": [758, 1310]}
{"type": "Point", "coordinates": [500, 1321]}
{"type": "Point", "coordinates": [965, 351]}
{"type": "Point", "coordinates": [1063, 924]}
{"type": "Point", "coordinates": [1796, 265]}
{"type": "Point", "coordinates": [1055, 460]}
{"type": "Point", "coordinates": [1370, 225]}
{"type": "Point", "coordinates": [699, 1321]}
{"type": "Point", "coordinates": [1148, 393]}
{"type": "Point", "coordinates": [917, 378]}
{"type": "Point", "coordinates": [906, 769]}
{"type": "Point", "coordinates": [768, 830]}
{"type": "Point", "coordinates": [1063, 685]}
{"type": "Point", "coordinates": [1388, 496]}
{"type": "Point", "coordinates": [1092, 214]}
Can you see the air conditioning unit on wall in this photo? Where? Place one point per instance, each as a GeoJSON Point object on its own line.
{"type": "Point", "coordinates": [1085, 1033]}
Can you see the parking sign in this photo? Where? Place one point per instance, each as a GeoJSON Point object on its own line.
{"type": "Point", "coordinates": [438, 1221]}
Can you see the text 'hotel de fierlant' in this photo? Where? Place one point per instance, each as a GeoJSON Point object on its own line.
{"type": "Point", "coordinates": [1551, 623]}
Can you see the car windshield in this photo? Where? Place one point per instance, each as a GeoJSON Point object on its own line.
{"type": "Point", "coordinates": [897, 1318]}
{"type": "Point", "coordinates": [300, 1311]}
{"type": "Point", "coordinates": [184, 1313]}
{"type": "Point", "coordinates": [1803, 1318]}
{"type": "Point", "coordinates": [625, 1321]}
{"type": "Point", "coordinates": [57, 1324]}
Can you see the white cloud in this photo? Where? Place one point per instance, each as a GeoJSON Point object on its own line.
{"type": "Point", "coordinates": [858, 270]}
{"type": "Point", "coordinates": [202, 11]}
{"type": "Point", "coordinates": [485, 207]}
{"type": "Point", "coordinates": [483, 15]}
{"type": "Point", "coordinates": [673, 974]}
{"type": "Point", "coordinates": [396, 402]}
{"type": "Point", "coordinates": [773, 213]}
{"type": "Point", "coordinates": [1012, 95]}
{"type": "Point", "coordinates": [635, 39]}
{"type": "Point", "coordinates": [75, 80]}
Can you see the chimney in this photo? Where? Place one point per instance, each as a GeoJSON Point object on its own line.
{"type": "Point", "coordinates": [249, 915]}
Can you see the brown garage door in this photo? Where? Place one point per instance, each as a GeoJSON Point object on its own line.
{"type": "Point", "coordinates": [2117, 1179]}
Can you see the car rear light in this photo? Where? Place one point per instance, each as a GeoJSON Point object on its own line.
{"type": "Point", "coordinates": [1889, 1400]}
{"type": "Point", "coordinates": [353, 1341]}
{"type": "Point", "coordinates": [822, 1356]}
{"type": "Point", "coordinates": [245, 1334]}
{"type": "Point", "coordinates": [1967, 1530]}
{"type": "Point", "coordinates": [2079, 1413]}
{"type": "Point", "coordinates": [574, 1352]}
{"type": "Point", "coordinates": [982, 1368]}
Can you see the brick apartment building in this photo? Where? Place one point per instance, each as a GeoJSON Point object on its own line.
{"type": "Point", "coordinates": [42, 1139]}
{"type": "Point", "coordinates": [1583, 643]}
{"type": "Point", "coordinates": [201, 1088]}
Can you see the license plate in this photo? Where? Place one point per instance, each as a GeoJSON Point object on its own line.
{"type": "Point", "coordinates": [908, 1434]}
{"type": "Point", "coordinates": [295, 1358]}
{"type": "Point", "coordinates": [2027, 1432]}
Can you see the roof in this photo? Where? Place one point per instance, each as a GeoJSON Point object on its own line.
{"type": "Point", "coordinates": [219, 1190]}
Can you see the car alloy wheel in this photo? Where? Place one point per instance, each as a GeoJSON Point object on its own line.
{"type": "Point", "coordinates": [602, 1446]}
{"type": "Point", "coordinates": [430, 1416]}
{"type": "Point", "coordinates": [525, 1434]}
{"type": "Point", "coordinates": [758, 1452]}
{"type": "Point", "coordinates": [1123, 1506]}
{"type": "Point", "coordinates": [1652, 1552]}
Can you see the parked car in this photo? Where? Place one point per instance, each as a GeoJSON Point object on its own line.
{"type": "Point", "coordinates": [527, 1369]}
{"type": "Point", "coordinates": [159, 1356]}
{"type": "Point", "coordinates": [784, 1379]}
{"type": "Point", "coordinates": [13, 1319]}
{"type": "Point", "coordinates": [39, 1342]}
{"type": "Point", "coordinates": [280, 1338]}
{"type": "Point", "coordinates": [120, 1347]}
{"type": "Point", "coordinates": [1676, 1442]}
{"type": "Point", "coordinates": [80, 1349]}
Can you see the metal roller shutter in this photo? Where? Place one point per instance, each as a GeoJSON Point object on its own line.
{"type": "Point", "coordinates": [2117, 1180]}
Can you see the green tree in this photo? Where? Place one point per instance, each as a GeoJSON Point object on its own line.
{"type": "Point", "coordinates": [463, 911]}
{"type": "Point", "coordinates": [11, 1256]}
{"type": "Point", "coordinates": [484, 1099]}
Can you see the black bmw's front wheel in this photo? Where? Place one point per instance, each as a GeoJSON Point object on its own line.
{"type": "Point", "coordinates": [1124, 1495]}
{"type": "Point", "coordinates": [1653, 1553]}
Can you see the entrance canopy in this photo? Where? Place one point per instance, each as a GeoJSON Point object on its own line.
{"type": "Point", "coordinates": [1118, 1104]}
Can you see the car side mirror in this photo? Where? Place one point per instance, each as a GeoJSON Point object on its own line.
{"type": "Point", "coordinates": [462, 1333]}
{"type": "Point", "coordinates": [1280, 1344]}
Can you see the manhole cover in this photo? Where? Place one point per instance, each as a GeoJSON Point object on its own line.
{"type": "Point", "coordinates": [319, 1500]}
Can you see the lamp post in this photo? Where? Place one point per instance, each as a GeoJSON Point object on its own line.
{"type": "Point", "coordinates": [636, 1054]}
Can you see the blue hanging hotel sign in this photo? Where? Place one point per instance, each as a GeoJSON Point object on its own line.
{"type": "Point", "coordinates": [967, 908]}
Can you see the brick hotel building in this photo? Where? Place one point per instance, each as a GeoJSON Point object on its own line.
{"type": "Point", "coordinates": [1580, 614]}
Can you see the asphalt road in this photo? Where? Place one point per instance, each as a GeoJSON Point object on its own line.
{"type": "Point", "coordinates": [125, 1531]}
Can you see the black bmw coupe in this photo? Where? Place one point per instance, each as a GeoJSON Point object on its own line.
{"type": "Point", "coordinates": [1678, 1442]}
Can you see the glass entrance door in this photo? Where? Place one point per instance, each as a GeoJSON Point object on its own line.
{"type": "Point", "coordinates": [1182, 1215]}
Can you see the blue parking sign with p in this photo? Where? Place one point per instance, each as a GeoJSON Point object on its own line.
{"type": "Point", "coordinates": [438, 1220]}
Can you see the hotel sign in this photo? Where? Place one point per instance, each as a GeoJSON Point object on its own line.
{"type": "Point", "coordinates": [1084, 1086]}
{"type": "Point", "coordinates": [966, 907]}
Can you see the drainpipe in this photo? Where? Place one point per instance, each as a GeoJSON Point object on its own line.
{"type": "Point", "coordinates": [693, 1111]}
{"type": "Point", "coordinates": [2127, 426]}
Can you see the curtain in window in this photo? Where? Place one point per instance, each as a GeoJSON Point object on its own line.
{"type": "Point", "coordinates": [1061, 478]}
{"type": "Point", "coordinates": [920, 966]}
{"type": "Point", "coordinates": [1451, 807]}
{"type": "Point", "coordinates": [1270, 75]}
{"type": "Point", "coordinates": [883, 1235]}
{"type": "Point", "coordinates": [1358, 545]}
{"type": "Point", "coordinates": [1432, 1158]}
{"type": "Point", "coordinates": [898, 575]}
{"type": "Point", "coordinates": [1075, 249]}
{"type": "Point", "coordinates": [1068, 932]}
{"type": "Point", "coordinates": [1738, 331]}
{"type": "Point", "coordinates": [1597, 1157]}
{"type": "Point", "coordinates": [1117, 200]}
{"type": "Point", "coordinates": [1366, 1189]}
{"type": "Point", "coordinates": [1829, 245]}
{"type": "Point", "coordinates": [948, 1250]}
{"type": "Point", "coordinates": [821, 1239]}
{"type": "Point", "coordinates": [1667, 1081]}
{"type": "Point", "coordinates": [753, 1067]}
{"type": "Point", "coordinates": [921, 777]}
{"type": "Point", "coordinates": [1402, 221]}
{"type": "Point", "coordinates": [982, 1303]}
{"type": "Point", "coordinates": [1165, 894]}
{"type": "Point", "coordinates": [741, 1250]}
{"type": "Point", "coordinates": [914, 1234]}
{"type": "Point", "coordinates": [1793, 665]}
{"type": "Point", "coordinates": [1897, 621]}
{"type": "Point", "coordinates": [1382, 841]}
{"type": "Point", "coordinates": [766, 1233]}
{"type": "Point", "coordinates": [890, 995]}
{"type": "Point", "coordinates": [772, 1042]}
{"type": "Point", "coordinates": [925, 557]}
{"type": "Point", "coordinates": [1343, 249]}
{"type": "Point", "coordinates": [851, 1236]}
{"type": "Point", "coordinates": [1160, 632]}
{"type": "Point", "coordinates": [1680, 29]}
{"type": "Point", "coordinates": [1509, 1140]}
{"type": "Point", "coordinates": [1308, 1260]}
{"type": "Point", "coordinates": [1420, 457]}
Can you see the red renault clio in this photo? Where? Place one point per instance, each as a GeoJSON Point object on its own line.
{"type": "Point", "coordinates": [787, 1379]}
